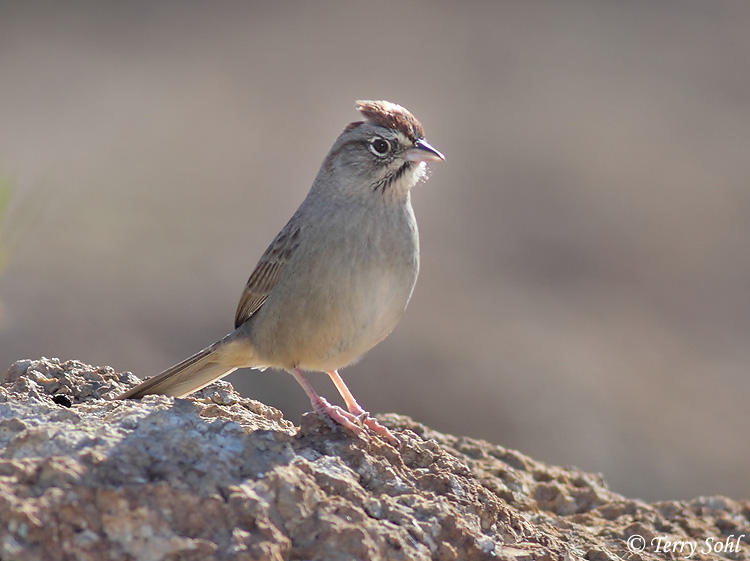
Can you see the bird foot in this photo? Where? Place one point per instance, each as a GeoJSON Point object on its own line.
{"type": "Point", "coordinates": [371, 423]}
{"type": "Point", "coordinates": [334, 416]}
{"type": "Point", "coordinates": [378, 429]}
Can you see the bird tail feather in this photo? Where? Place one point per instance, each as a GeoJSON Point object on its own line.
{"type": "Point", "coordinates": [188, 376]}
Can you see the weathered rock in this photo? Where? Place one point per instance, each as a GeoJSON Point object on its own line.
{"type": "Point", "coordinates": [218, 476]}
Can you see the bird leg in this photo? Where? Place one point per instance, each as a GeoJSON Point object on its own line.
{"type": "Point", "coordinates": [331, 414]}
{"type": "Point", "coordinates": [356, 410]}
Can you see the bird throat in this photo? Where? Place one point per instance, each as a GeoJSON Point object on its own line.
{"type": "Point", "coordinates": [400, 181]}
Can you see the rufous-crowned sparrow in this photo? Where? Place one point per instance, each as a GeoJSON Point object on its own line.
{"type": "Point", "coordinates": [338, 276]}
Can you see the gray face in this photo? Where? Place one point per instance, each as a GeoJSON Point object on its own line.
{"type": "Point", "coordinates": [371, 158]}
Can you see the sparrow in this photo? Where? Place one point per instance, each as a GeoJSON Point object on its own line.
{"type": "Point", "coordinates": [336, 279]}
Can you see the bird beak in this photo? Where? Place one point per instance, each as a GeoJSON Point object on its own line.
{"type": "Point", "coordinates": [423, 152]}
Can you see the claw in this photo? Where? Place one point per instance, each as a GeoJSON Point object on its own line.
{"type": "Point", "coordinates": [335, 417]}
{"type": "Point", "coordinates": [379, 429]}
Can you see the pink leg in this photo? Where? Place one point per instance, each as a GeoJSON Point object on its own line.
{"type": "Point", "coordinates": [356, 409]}
{"type": "Point", "coordinates": [330, 413]}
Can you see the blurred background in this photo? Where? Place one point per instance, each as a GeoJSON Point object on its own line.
{"type": "Point", "coordinates": [585, 287]}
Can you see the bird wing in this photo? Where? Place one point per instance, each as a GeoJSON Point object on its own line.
{"type": "Point", "coordinates": [267, 272]}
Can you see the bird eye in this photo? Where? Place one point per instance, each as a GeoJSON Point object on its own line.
{"type": "Point", "coordinates": [380, 146]}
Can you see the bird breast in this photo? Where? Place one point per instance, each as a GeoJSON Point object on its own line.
{"type": "Point", "coordinates": [354, 289]}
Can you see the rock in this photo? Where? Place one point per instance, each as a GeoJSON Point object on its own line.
{"type": "Point", "coordinates": [219, 476]}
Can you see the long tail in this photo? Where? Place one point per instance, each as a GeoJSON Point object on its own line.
{"type": "Point", "coordinates": [190, 375]}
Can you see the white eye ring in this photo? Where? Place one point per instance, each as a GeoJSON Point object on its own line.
{"type": "Point", "coordinates": [379, 146]}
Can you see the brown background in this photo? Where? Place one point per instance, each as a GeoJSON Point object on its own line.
{"type": "Point", "coordinates": [585, 285]}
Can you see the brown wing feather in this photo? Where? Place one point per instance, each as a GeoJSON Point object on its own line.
{"type": "Point", "coordinates": [266, 273]}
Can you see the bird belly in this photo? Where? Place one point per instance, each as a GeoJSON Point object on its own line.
{"type": "Point", "coordinates": [358, 332]}
{"type": "Point", "coordinates": [333, 328]}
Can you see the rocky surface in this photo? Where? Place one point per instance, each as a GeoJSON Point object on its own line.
{"type": "Point", "coordinates": [218, 476]}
